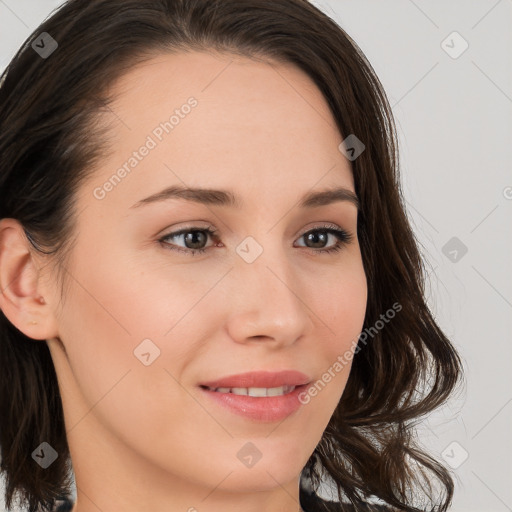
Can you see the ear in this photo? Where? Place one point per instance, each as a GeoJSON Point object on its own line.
{"type": "Point", "coordinates": [20, 290]}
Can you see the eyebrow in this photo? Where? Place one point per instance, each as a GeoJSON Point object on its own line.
{"type": "Point", "coordinates": [227, 198]}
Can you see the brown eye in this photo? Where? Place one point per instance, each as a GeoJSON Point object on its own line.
{"type": "Point", "coordinates": [194, 239]}
{"type": "Point", "coordinates": [319, 237]}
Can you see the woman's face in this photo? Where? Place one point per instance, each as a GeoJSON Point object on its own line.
{"type": "Point", "coordinates": [145, 322]}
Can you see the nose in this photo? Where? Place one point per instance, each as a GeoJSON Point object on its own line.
{"type": "Point", "coordinates": [267, 303]}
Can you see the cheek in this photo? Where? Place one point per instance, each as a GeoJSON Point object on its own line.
{"type": "Point", "coordinates": [113, 307]}
{"type": "Point", "coordinates": [105, 317]}
{"type": "Point", "coordinates": [340, 305]}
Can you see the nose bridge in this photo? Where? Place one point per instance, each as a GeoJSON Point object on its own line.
{"type": "Point", "coordinates": [267, 303]}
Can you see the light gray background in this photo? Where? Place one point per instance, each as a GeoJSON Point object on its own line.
{"type": "Point", "coordinates": [454, 117]}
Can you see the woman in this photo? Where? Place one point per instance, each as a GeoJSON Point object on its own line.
{"type": "Point", "coordinates": [211, 296]}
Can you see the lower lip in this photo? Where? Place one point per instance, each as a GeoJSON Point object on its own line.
{"type": "Point", "coordinates": [269, 408]}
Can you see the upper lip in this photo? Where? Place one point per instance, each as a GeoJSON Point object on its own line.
{"type": "Point", "coordinates": [260, 379]}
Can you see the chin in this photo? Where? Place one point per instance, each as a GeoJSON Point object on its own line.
{"type": "Point", "coordinates": [260, 478]}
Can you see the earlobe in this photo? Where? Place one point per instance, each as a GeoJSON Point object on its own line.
{"type": "Point", "coordinates": [20, 300]}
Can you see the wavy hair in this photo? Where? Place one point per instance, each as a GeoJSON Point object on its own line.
{"type": "Point", "coordinates": [50, 141]}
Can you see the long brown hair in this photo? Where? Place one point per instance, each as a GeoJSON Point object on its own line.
{"type": "Point", "coordinates": [48, 107]}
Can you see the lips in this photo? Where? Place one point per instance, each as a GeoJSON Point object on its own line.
{"type": "Point", "coordinates": [259, 379]}
{"type": "Point", "coordinates": [256, 408]}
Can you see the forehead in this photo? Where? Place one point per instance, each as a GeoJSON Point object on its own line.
{"type": "Point", "coordinates": [222, 120]}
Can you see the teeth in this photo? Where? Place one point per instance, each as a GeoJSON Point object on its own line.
{"type": "Point", "coordinates": [256, 392]}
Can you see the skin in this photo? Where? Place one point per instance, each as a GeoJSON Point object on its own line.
{"type": "Point", "coordinates": [144, 437]}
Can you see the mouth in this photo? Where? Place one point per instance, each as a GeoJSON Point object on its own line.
{"type": "Point", "coordinates": [257, 404]}
{"type": "Point", "coordinates": [255, 392]}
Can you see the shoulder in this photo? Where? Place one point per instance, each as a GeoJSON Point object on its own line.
{"type": "Point", "coordinates": [311, 502]}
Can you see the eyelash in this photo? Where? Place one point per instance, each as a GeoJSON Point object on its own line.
{"type": "Point", "coordinates": [344, 238]}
